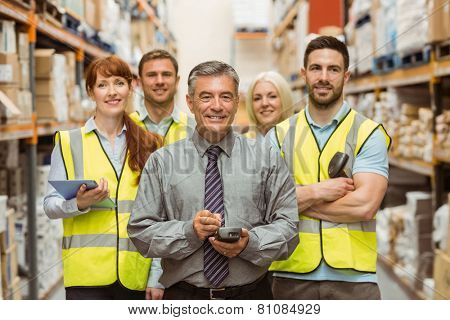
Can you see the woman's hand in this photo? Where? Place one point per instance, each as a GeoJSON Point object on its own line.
{"type": "Point", "coordinates": [86, 198]}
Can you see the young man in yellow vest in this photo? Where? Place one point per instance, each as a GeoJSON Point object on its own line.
{"type": "Point", "coordinates": [156, 110]}
{"type": "Point", "coordinates": [337, 254]}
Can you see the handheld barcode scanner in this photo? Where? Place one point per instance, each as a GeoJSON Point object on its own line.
{"type": "Point", "coordinates": [336, 167]}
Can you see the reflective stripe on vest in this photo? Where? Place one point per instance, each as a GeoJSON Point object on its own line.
{"type": "Point", "coordinates": [341, 245]}
{"type": "Point", "coordinates": [176, 131]}
{"type": "Point", "coordinates": [98, 240]}
{"type": "Point", "coordinates": [96, 247]}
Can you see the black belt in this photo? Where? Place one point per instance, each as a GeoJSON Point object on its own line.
{"type": "Point", "coordinates": [219, 293]}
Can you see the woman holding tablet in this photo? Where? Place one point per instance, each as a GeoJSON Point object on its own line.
{"type": "Point", "coordinates": [100, 262]}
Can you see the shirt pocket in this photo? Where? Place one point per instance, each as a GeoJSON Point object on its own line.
{"type": "Point", "coordinates": [245, 194]}
{"type": "Point", "coordinates": [186, 196]}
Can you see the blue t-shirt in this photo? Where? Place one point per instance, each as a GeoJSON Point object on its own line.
{"type": "Point", "coordinates": [373, 158]}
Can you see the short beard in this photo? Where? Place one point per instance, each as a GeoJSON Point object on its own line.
{"type": "Point", "coordinates": [162, 105]}
{"type": "Point", "coordinates": [324, 105]}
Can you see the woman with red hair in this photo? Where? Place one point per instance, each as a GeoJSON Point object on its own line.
{"type": "Point", "coordinates": [100, 261]}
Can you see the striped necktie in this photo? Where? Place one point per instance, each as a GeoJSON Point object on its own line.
{"type": "Point", "coordinates": [215, 264]}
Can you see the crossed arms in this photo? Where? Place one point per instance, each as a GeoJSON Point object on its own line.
{"type": "Point", "coordinates": [343, 200]}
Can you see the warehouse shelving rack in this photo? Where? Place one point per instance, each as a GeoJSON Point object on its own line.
{"type": "Point", "coordinates": [30, 132]}
{"type": "Point", "coordinates": [430, 74]}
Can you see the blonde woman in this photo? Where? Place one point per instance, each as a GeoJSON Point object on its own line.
{"type": "Point", "coordinates": [268, 102]}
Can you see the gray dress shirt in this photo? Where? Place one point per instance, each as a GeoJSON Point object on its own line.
{"type": "Point", "coordinates": [56, 207]}
{"type": "Point", "coordinates": [259, 195]}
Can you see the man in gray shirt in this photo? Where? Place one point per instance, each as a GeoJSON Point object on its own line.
{"type": "Point", "coordinates": [215, 178]}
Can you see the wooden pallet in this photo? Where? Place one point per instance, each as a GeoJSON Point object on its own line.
{"type": "Point", "coordinates": [71, 23]}
{"type": "Point", "coordinates": [385, 63]}
{"type": "Point", "coordinates": [50, 12]}
{"type": "Point", "coordinates": [443, 50]}
{"type": "Point", "coordinates": [23, 3]}
{"type": "Point", "coordinates": [415, 58]}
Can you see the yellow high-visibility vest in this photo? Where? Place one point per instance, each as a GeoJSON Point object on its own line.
{"type": "Point", "coordinates": [176, 131]}
{"type": "Point", "coordinates": [96, 247]}
{"type": "Point", "coordinates": [341, 245]}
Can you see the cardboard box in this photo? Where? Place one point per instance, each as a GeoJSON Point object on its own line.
{"type": "Point", "coordinates": [94, 11]}
{"type": "Point", "coordinates": [15, 184]}
{"type": "Point", "coordinates": [42, 179]}
{"type": "Point", "coordinates": [11, 91]}
{"type": "Point", "coordinates": [441, 276]}
{"type": "Point", "coordinates": [3, 181]}
{"type": "Point", "coordinates": [44, 63]}
{"type": "Point", "coordinates": [9, 112]}
{"type": "Point", "coordinates": [25, 105]}
{"type": "Point", "coordinates": [439, 20]}
{"type": "Point", "coordinates": [24, 82]}
{"type": "Point", "coordinates": [9, 68]}
{"type": "Point", "coordinates": [3, 201]}
{"type": "Point", "coordinates": [9, 157]}
{"type": "Point", "coordinates": [45, 87]}
{"type": "Point", "coordinates": [46, 108]}
{"type": "Point", "coordinates": [7, 36]}
{"type": "Point", "coordinates": [89, 12]}
{"type": "Point", "coordinates": [23, 46]}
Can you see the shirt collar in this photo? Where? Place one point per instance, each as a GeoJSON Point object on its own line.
{"type": "Point", "coordinates": [226, 144]}
{"type": "Point", "coordinates": [142, 110]}
{"type": "Point", "coordinates": [91, 126]}
{"type": "Point", "coordinates": [345, 108]}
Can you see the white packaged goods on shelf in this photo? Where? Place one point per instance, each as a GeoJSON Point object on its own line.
{"type": "Point", "coordinates": [251, 15]}
{"type": "Point", "coordinates": [161, 9]}
{"type": "Point", "coordinates": [59, 89]}
{"type": "Point", "coordinates": [75, 6]}
{"type": "Point", "coordinates": [385, 31]}
{"type": "Point", "coordinates": [364, 49]}
{"type": "Point", "coordinates": [1, 285]}
{"type": "Point", "coordinates": [20, 238]}
{"type": "Point", "coordinates": [109, 15]}
{"type": "Point", "coordinates": [7, 37]}
{"type": "Point", "coordinates": [361, 8]}
{"type": "Point", "coordinates": [440, 227]}
{"type": "Point", "coordinates": [9, 155]}
{"type": "Point", "coordinates": [353, 58]}
{"type": "Point", "coordinates": [23, 47]}
{"type": "Point", "coordinates": [49, 252]}
{"type": "Point", "coordinates": [122, 40]}
{"type": "Point", "coordinates": [412, 25]}
{"type": "Point", "coordinates": [24, 83]}
{"type": "Point", "coordinates": [3, 201]}
{"type": "Point", "coordinates": [301, 29]}
{"type": "Point", "coordinates": [383, 231]}
{"type": "Point", "coordinates": [42, 178]}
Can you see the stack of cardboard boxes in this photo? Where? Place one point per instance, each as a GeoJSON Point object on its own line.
{"type": "Point", "coordinates": [51, 95]}
{"type": "Point", "coordinates": [393, 28]}
{"type": "Point", "coordinates": [415, 133]}
{"type": "Point", "coordinates": [405, 236]}
{"type": "Point", "coordinates": [14, 75]}
{"type": "Point", "coordinates": [443, 131]}
{"type": "Point", "coordinates": [12, 175]}
{"type": "Point", "coordinates": [8, 252]}
{"type": "Point", "coordinates": [442, 270]}
{"type": "Point", "coordinates": [439, 20]}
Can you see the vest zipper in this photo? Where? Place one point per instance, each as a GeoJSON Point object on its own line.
{"type": "Point", "coordinates": [116, 207]}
